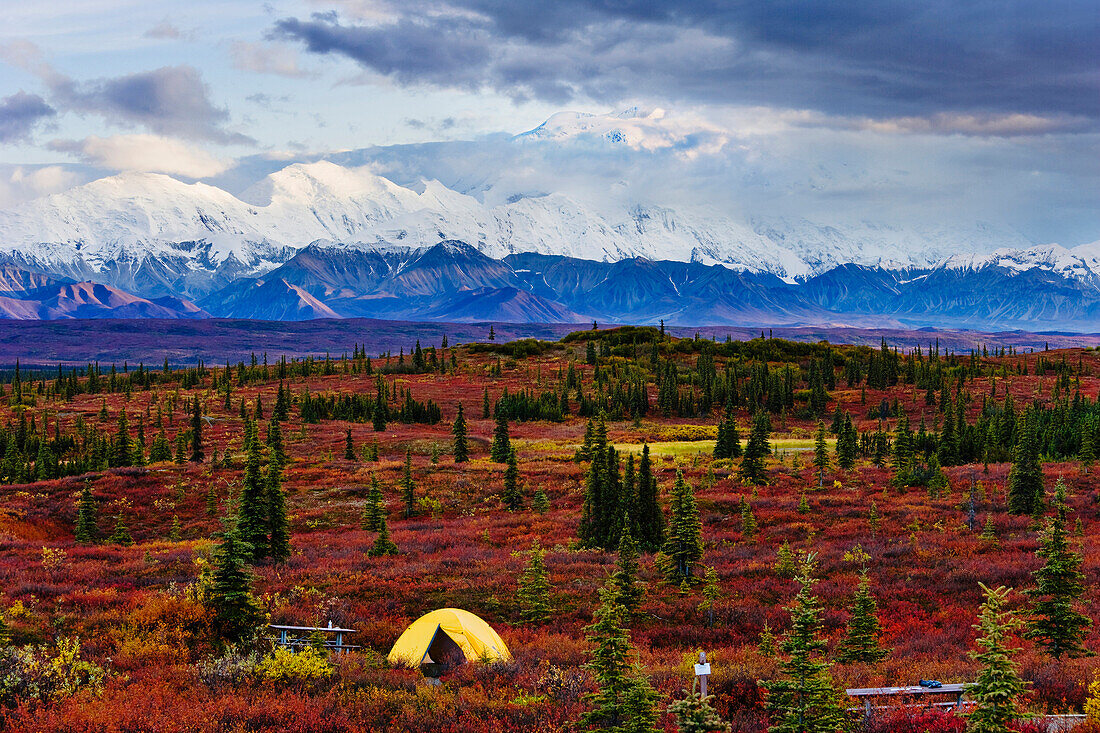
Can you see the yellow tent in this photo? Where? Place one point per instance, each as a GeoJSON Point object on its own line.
{"type": "Point", "coordinates": [446, 637]}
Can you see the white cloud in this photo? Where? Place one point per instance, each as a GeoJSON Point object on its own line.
{"type": "Point", "coordinates": [22, 183]}
{"type": "Point", "coordinates": [148, 153]}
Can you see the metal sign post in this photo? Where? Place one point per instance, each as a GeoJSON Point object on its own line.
{"type": "Point", "coordinates": [702, 671]}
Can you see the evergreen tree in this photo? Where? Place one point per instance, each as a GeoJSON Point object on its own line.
{"type": "Point", "coordinates": [349, 447]}
{"type": "Point", "coordinates": [610, 666]}
{"type": "Point", "coordinates": [903, 453]}
{"type": "Point", "coordinates": [121, 449]}
{"type": "Point", "coordinates": [803, 699]}
{"type": "Point", "coordinates": [383, 544]}
{"type": "Point", "coordinates": [121, 534]}
{"type": "Point", "coordinates": [651, 520]}
{"type": "Point", "coordinates": [1087, 454]}
{"type": "Point", "coordinates": [821, 453]}
{"type": "Point", "coordinates": [485, 404]}
{"type": "Point", "coordinates": [252, 512]}
{"type": "Point", "coordinates": [374, 508]}
{"type": "Point", "coordinates": [278, 527]}
{"type": "Point", "coordinates": [87, 529]}
{"type": "Point", "coordinates": [408, 486]}
{"type": "Point", "coordinates": [378, 415]}
{"type": "Point", "coordinates": [196, 430]}
{"type": "Point", "coordinates": [1059, 586]}
{"type": "Point", "coordinates": [275, 441]}
{"type": "Point", "coordinates": [601, 512]}
{"type": "Point", "coordinates": [996, 693]}
{"type": "Point", "coordinates": [694, 714]}
{"type": "Point", "coordinates": [847, 443]}
{"type": "Point", "coordinates": [640, 707]}
{"type": "Point", "coordinates": [461, 442]}
{"type": "Point", "coordinates": [1025, 480]}
{"type": "Point", "coordinates": [625, 578]}
{"type": "Point", "coordinates": [728, 444]}
{"type": "Point", "coordinates": [862, 641]}
{"type": "Point", "coordinates": [237, 616]}
{"type": "Point", "coordinates": [540, 502]}
{"type": "Point", "coordinates": [498, 451]}
{"type": "Point", "coordinates": [161, 450]}
{"type": "Point", "coordinates": [756, 450]}
{"type": "Point", "coordinates": [684, 543]}
{"type": "Point", "coordinates": [533, 593]}
{"type": "Point", "coordinates": [513, 497]}
{"type": "Point", "coordinates": [711, 594]}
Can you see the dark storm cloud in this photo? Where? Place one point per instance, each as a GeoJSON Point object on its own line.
{"type": "Point", "coordinates": [20, 113]}
{"type": "Point", "coordinates": [171, 100]}
{"type": "Point", "coordinates": [851, 57]}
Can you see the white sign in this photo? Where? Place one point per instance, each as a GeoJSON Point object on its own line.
{"type": "Point", "coordinates": [701, 669]}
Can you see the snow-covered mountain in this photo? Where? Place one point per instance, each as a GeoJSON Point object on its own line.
{"type": "Point", "coordinates": [154, 235]}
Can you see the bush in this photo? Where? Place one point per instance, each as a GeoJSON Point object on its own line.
{"type": "Point", "coordinates": [306, 667]}
{"type": "Point", "coordinates": [44, 675]}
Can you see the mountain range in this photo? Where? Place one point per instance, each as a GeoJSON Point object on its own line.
{"type": "Point", "coordinates": [321, 240]}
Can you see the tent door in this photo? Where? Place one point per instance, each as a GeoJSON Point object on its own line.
{"type": "Point", "coordinates": [443, 654]}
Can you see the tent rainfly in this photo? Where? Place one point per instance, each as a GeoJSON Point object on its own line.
{"type": "Point", "coordinates": [448, 637]}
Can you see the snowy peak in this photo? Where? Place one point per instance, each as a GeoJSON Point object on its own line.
{"type": "Point", "coordinates": [634, 128]}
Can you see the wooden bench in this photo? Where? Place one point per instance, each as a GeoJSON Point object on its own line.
{"type": "Point", "coordinates": [300, 637]}
{"type": "Point", "coordinates": [868, 694]}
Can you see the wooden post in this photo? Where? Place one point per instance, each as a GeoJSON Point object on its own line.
{"type": "Point", "coordinates": [702, 671]}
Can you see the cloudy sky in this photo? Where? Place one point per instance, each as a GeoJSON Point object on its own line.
{"type": "Point", "coordinates": [986, 109]}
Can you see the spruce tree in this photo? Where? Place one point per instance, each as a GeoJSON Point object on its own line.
{"type": "Point", "coordinates": [803, 699]}
{"type": "Point", "coordinates": [998, 688]}
{"type": "Point", "coordinates": [651, 520]}
{"type": "Point", "coordinates": [498, 450]}
{"type": "Point", "coordinates": [728, 444]}
{"type": "Point", "coordinates": [408, 486]}
{"type": "Point", "coordinates": [375, 507]}
{"type": "Point", "coordinates": [540, 502]}
{"type": "Point", "coordinates": [903, 453]}
{"type": "Point", "coordinates": [461, 441]}
{"type": "Point", "coordinates": [1087, 453]}
{"type": "Point", "coordinates": [756, 450]}
{"type": "Point", "coordinates": [1025, 480]}
{"type": "Point", "coordinates": [533, 592]}
{"type": "Point", "coordinates": [1059, 585]}
{"type": "Point", "coordinates": [610, 665]}
{"type": "Point", "coordinates": [861, 644]}
{"type": "Point", "coordinates": [847, 443]}
{"type": "Point", "coordinates": [625, 578]}
{"type": "Point", "coordinates": [513, 497]}
{"type": "Point", "coordinates": [237, 616]}
{"type": "Point", "coordinates": [275, 440]}
{"type": "Point", "coordinates": [121, 449]}
{"type": "Point", "coordinates": [349, 446]}
{"type": "Point", "coordinates": [600, 502]}
{"type": "Point", "coordinates": [695, 714]}
{"type": "Point", "coordinates": [252, 514]}
{"type": "Point", "coordinates": [383, 544]}
{"type": "Point", "coordinates": [278, 527]}
{"type": "Point", "coordinates": [196, 430]}
{"type": "Point", "coordinates": [161, 449]}
{"type": "Point", "coordinates": [711, 595]}
{"type": "Point", "coordinates": [821, 453]}
{"type": "Point", "coordinates": [87, 512]}
{"type": "Point", "coordinates": [684, 537]}
{"type": "Point", "coordinates": [121, 534]}
{"type": "Point", "coordinates": [640, 707]}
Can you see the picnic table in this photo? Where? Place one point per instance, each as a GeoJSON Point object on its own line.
{"type": "Point", "coordinates": [299, 637]}
{"type": "Point", "coordinates": [868, 694]}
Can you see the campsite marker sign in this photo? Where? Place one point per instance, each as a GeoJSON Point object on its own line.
{"type": "Point", "coordinates": [702, 671]}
